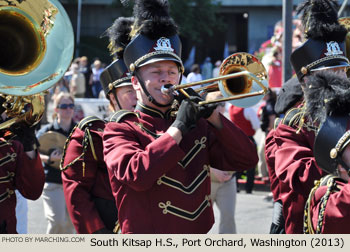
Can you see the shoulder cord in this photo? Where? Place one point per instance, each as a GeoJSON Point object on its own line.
{"type": "Point", "coordinates": [87, 139]}
{"type": "Point", "coordinates": [308, 226]}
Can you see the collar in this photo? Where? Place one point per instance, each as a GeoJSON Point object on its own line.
{"type": "Point", "coordinates": [152, 111]}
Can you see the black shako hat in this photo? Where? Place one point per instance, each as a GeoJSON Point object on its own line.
{"type": "Point", "coordinates": [325, 47]}
{"type": "Point", "coordinates": [289, 95]}
{"type": "Point", "coordinates": [327, 102]}
{"type": "Point", "coordinates": [154, 36]}
{"type": "Point", "coordinates": [330, 142]}
{"type": "Point", "coordinates": [116, 74]}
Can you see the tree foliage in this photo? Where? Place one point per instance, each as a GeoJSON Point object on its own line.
{"type": "Point", "coordinates": [197, 19]}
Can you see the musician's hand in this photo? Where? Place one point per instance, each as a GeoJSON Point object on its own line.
{"type": "Point", "coordinates": [190, 92]}
{"type": "Point", "coordinates": [222, 176]}
{"type": "Point", "coordinates": [26, 135]}
{"type": "Point", "coordinates": [56, 155]}
{"type": "Point", "coordinates": [187, 116]}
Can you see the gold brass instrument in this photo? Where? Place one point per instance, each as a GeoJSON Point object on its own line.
{"type": "Point", "coordinates": [36, 48]}
{"type": "Point", "coordinates": [242, 81]}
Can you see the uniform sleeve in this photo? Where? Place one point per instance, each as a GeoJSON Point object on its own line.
{"type": "Point", "coordinates": [270, 147]}
{"type": "Point", "coordinates": [295, 164]}
{"type": "Point", "coordinates": [77, 186]}
{"type": "Point", "coordinates": [131, 164]}
{"type": "Point", "coordinates": [336, 211]}
{"type": "Point", "coordinates": [29, 177]}
{"type": "Point", "coordinates": [232, 149]}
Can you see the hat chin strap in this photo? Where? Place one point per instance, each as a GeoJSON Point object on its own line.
{"type": "Point", "coordinates": [117, 100]}
{"type": "Point", "coordinates": [149, 96]}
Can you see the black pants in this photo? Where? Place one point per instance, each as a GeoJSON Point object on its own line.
{"type": "Point", "coordinates": [249, 185]}
{"type": "Point", "coordinates": [277, 226]}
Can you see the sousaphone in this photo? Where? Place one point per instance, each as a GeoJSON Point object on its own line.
{"type": "Point", "coordinates": [36, 49]}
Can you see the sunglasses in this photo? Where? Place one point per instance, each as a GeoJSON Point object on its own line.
{"type": "Point", "coordinates": [66, 106]}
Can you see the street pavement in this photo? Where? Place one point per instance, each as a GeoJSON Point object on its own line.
{"type": "Point", "coordinates": [253, 214]}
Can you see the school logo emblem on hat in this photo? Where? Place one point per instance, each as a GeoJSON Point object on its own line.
{"type": "Point", "coordinates": [333, 48]}
{"type": "Point", "coordinates": [163, 44]}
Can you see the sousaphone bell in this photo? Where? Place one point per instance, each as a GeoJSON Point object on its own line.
{"type": "Point", "coordinates": [36, 49]}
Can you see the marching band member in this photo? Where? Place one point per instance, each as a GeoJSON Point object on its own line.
{"type": "Point", "coordinates": [20, 169]}
{"type": "Point", "coordinates": [295, 164]}
{"type": "Point", "coordinates": [291, 95]}
{"type": "Point", "coordinates": [327, 101]}
{"type": "Point", "coordinates": [86, 186]}
{"type": "Point", "coordinates": [159, 165]}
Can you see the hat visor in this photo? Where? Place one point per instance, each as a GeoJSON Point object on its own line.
{"type": "Point", "coordinates": [164, 58]}
{"type": "Point", "coordinates": [340, 64]}
{"type": "Point", "coordinates": [124, 84]}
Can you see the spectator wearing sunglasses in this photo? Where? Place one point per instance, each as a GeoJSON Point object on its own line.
{"type": "Point", "coordinates": [53, 198]}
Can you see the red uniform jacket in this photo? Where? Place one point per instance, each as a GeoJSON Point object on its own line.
{"type": "Point", "coordinates": [296, 169]}
{"type": "Point", "coordinates": [270, 148]}
{"type": "Point", "coordinates": [17, 171]}
{"type": "Point", "coordinates": [336, 214]}
{"type": "Point", "coordinates": [162, 187]}
{"type": "Point", "coordinates": [82, 185]}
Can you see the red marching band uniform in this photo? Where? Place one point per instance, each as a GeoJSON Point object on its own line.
{"type": "Point", "coordinates": [85, 179]}
{"type": "Point", "coordinates": [292, 144]}
{"type": "Point", "coordinates": [17, 172]}
{"type": "Point", "coordinates": [150, 171]}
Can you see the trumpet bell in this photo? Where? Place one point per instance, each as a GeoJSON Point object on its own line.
{"type": "Point", "coordinates": [37, 43]}
{"type": "Point", "coordinates": [253, 74]}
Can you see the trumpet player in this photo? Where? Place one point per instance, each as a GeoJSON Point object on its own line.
{"type": "Point", "coordinates": [159, 165]}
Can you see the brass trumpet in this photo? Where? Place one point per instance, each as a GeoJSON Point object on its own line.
{"type": "Point", "coordinates": [242, 81]}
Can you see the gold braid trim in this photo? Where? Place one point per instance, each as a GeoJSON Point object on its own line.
{"type": "Point", "coordinates": [87, 138]}
{"type": "Point", "coordinates": [62, 168]}
{"type": "Point", "coordinates": [331, 187]}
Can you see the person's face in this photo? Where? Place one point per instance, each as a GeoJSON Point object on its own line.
{"type": "Point", "coordinates": [126, 97]}
{"type": "Point", "coordinates": [344, 174]}
{"type": "Point", "coordinates": [156, 75]}
{"type": "Point", "coordinates": [83, 62]}
{"type": "Point", "coordinates": [346, 155]}
{"type": "Point", "coordinates": [65, 109]}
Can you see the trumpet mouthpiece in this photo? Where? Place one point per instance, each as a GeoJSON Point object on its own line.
{"type": "Point", "coordinates": [167, 89]}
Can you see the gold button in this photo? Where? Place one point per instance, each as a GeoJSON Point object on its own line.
{"type": "Point", "coordinates": [333, 153]}
{"type": "Point", "coordinates": [304, 70]}
{"type": "Point", "coordinates": [132, 67]}
{"type": "Point", "coordinates": [110, 86]}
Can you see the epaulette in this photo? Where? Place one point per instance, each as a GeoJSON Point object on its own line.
{"type": "Point", "coordinates": [277, 122]}
{"type": "Point", "coordinates": [88, 120]}
{"type": "Point", "coordinates": [119, 115]}
{"type": "Point", "coordinates": [330, 181]}
{"type": "Point", "coordinates": [292, 117]}
{"type": "Point", "coordinates": [83, 125]}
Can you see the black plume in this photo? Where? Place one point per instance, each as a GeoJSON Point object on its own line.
{"type": "Point", "coordinates": [327, 93]}
{"type": "Point", "coordinates": [119, 35]}
{"type": "Point", "coordinates": [320, 20]}
{"type": "Point", "coordinates": [153, 20]}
